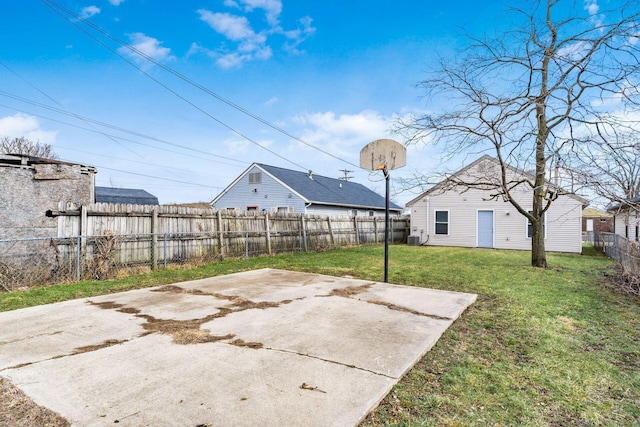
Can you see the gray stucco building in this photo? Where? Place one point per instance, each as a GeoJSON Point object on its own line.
{"type": "Point", "coordinates": [29, 186]}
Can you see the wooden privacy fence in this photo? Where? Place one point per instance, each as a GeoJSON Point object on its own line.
{"type": "Point", "coordinates": [166, 234]}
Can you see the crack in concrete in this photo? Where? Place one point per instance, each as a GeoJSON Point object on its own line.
{"type": "Point", "coordinates": [31, 337]}
{"type": "Point", "coordinates": [188, 331]}
{"type": "Point", "coordinates": [330, 361]}
{"type": "Point", "coordinates": [406, 310]}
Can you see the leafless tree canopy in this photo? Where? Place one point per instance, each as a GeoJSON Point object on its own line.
{"type": "Point", "coordinates": [24, 146]}
{"type": "Point", "coordinates": [530, 95]}
{"type": "Point", "coordinates": [612, 169]}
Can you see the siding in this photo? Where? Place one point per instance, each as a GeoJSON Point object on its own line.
{"type": "Point", "coordinates": [267, 195]}
{"type": "Point", "coordinates": [563, 233]}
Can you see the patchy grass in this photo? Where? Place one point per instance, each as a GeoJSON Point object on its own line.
{"type": "Point", "coordinates": [538, 348]}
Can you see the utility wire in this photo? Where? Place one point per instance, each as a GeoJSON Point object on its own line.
{"type": "Point", "coordinates": [77, 116]}
{"type": "Point", "coordinates": [58, 9]}
{"type": "Point", "coordinates": [104, 124]}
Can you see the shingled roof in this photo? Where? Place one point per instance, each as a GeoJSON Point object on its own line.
{"type": "Point", "coordinates": [125, 195]}
{"type": "Point", "coordinates": [319, 189]}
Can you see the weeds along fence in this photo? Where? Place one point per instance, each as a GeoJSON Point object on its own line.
{"type": "Point", "coordinates": [101, 240]}
{"type": "Point", "coordinates": [623, 250]}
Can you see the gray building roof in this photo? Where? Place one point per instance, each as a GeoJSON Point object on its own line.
{"type": "Point", "coordinates": [125, 195]}
{"type": "Point", "coordinates": [329, 191]}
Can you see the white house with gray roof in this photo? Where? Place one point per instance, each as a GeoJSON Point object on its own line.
{"type": "Point", "coordinates": [272, 189]}
{"type": "Point", "coordinates": [447, 215]}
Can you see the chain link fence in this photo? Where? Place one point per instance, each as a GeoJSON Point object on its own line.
{"type": "Point", "coordinates": [26, 263]}
{"type": "Point", "coordinates": [625, 251]}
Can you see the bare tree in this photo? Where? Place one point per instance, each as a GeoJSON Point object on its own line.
{"type": "Point", "coordinates": [611, 170]}
{"type": "Point", "coordinates": [522, 95]}
{"type": "Point", "coordinates": [26, 147]}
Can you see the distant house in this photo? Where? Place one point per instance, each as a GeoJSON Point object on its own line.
{"type": "Point", "coordinates": [268, 188]}
{"type": "Point", "coordinates": [626, 219]}
{"type": "Point", "coordinates": [125, 195]}
{"type": "Point", "coordinates": [29, 186]}
{"type": "Point", "coordinates": [596, 220]}
{"type": "Point", "coordinates": [446, 215]}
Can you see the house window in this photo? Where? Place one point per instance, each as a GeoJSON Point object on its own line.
{"type": "Point", "coordinates": [252, 208]}
{"type": "Point", "coordinates": [354, 212]}
{"type": "Point", "coordinates": [371, 213]}
{"type": "Point", "coordinates": [442, 222]}
{"type": "Point", "coordinates": [255, 178]}
{"type": "Point", "coordinates": [530, 226]}
{"type": "Point", "coordinates": [285, 209]}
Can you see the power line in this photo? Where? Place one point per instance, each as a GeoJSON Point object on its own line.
{"type": "Point", "coordinates": [104, 124]}
{"type": "Point", "coordinates": [184, 78]}
{"type": "Point", "coordinates": [58, 9]}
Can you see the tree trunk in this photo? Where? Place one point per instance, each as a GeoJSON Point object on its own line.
{"type": "Point", "coordinates": [538, 252]}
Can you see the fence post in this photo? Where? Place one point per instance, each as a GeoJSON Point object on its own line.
{"type": "Point", "coordinates": [246, 245]}
{"type": "Point", "coordinates": [220, 235]}
{"type": "Point", "coordinates": [165, 251]}
{"type": "Point", "coordinates": [266, 225]}
{"type": "Point", "coordinates": [78, 256]}
{"type": "Point", "coordinates": [154, 239]}
{"type": "Point", "coordinates": [84, 226]}
{"type": "Point", "coordinates": [333, 239]}
{"type": "Point", "coordinates": [303, 232]}
{"type": "Point", "coordinates": [355, 227]}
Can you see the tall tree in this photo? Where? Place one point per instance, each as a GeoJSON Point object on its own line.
{"type": "Point", "coordinates": [523, 94]}
{"type": "Point", "coordinates": [610, 170]}
{"type": "Point", "coordinates": [26, 147]}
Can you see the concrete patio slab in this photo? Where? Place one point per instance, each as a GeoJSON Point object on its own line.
{"type": "Point", "coordinates": [264, 347]}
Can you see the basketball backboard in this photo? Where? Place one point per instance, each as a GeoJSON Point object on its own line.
{"type": "Point", "coordinates": [383, 154]}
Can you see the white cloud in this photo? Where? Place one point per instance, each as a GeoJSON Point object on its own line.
{"type": "Point", "coordinates": [89, 11]}
{"type": "Point", "coordinates": [592, 7]}
{"type": "Point", "coordinates": [149, 46]}
{"type": "Point", "coordinates": [232, 27]}
{"type": "Point", "coordinates": [251, 44]}
{"type": "Point", "coordinates": [339, 134]}
{"type": "Point", "coordinates": [116, 2]}
{"type": "Point", "coordinates": [273, 8]}
{"type": "Point", "coordinates": [271, 101]}
{"type": "Point", "coordinates": [24, 125]}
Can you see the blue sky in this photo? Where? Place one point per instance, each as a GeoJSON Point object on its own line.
{"type": "Point", "coordinates": [332, 73]}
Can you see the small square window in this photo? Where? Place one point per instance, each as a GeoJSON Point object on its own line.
{"type": "Point", "coordinates": [255, 178]}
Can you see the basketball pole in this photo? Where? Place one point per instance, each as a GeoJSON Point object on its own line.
{"type": "Point", "coordinates": [386, 226]}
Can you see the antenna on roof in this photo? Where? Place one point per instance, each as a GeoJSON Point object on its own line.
{"type": "Point", "coordinates": [346, 176]}
{"type": "Point", "coordinates": [310, 174]}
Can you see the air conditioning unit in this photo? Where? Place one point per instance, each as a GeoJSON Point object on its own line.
{"type": "Point", "coordinates": [413, 240]}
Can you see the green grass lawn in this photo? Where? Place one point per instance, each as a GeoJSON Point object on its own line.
{"type": "Point", "coordinates": [552, 347]}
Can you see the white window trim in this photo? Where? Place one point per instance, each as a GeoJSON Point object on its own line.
{"type": "Point", "coordinates": [527, 223]}
{"type": "Point", "coordinates": [435, 222]}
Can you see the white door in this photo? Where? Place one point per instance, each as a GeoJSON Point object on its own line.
{"type": "Point", "coordinates": [589, 225]}
{"type": "Point", "coordinates": [485, 229]}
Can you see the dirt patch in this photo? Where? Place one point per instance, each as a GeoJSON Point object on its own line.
{"type": "Point", "coordinates": [241, 343]}
{"type": "Point", "coordinates": [186, 331]}
{"type": "Point", "coordinates": [350, 291]}
{"type": "Point", "coordinates": [16, 409]}
{"type": "Point", "coordinates": [197, 336]}
{"type": "Point", "coordinates": [88, 348]}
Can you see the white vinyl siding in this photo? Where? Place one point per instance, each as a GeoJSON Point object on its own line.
{"type": "Point", "coordinates": [563, 219]}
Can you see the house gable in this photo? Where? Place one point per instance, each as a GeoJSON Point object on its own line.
{"type": "Point", "coordinates": [265, 187]}
{"type": "Point", "coordinates": [465, 206]}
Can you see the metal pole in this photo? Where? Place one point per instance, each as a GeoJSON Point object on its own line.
{"type": "Point", "coordinates": [386, 226]}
